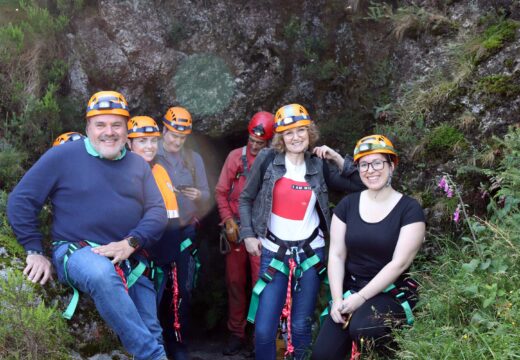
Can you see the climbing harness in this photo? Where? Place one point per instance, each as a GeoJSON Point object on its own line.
{"type": "Point", "coordinates": [277, 264]}
{"type": "Point", "coordinates": [186, 245]}
{"type": "Point", "coordinates": [401, 292]}
{"type": "Point", "coordinates": [129, 270]}
{"type": "Point", "coordinates": [176, 304]}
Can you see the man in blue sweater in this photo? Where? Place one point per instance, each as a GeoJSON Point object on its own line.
{"type": "Point", "coordinates": [106, 209]}
{"type": "Point", "coordinates": [186, 170]}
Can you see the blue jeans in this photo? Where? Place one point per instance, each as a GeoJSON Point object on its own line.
{"type": "Point", "coordinates": [271, 303]}
{"type": "Point", "coordinates": [132, 315]}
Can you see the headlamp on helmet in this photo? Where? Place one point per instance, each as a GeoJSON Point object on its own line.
{"type": "Point", "coordinates": [178, 119]}
{"type": "Point", "coordinates": [67, 137]}
{"type": "Point", "coordinates": [261, 125]}
{"type": "Point", "coordinates": [107, 102]}
{"type": "Point", "coordinates": [291, 116]}
{"type": "Point", "coordinates": [140, 126]}
{"type": "Point", "coordinates": [375, 144]}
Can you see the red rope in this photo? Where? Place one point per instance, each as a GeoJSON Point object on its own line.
{"type": "Point", "coordinates": [286, 312]}
{"type": "Point", "coordinates": [175, 304]}
{"type": "Point", "coordinates": [355, 354]}
{"type": "Point", "coordinates": [121, 274]}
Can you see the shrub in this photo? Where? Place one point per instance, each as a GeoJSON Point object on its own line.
{"type": "Point", "coordinates": [11, 169]}
{"type": "Point", "coordinates": [443, 140]}
{"type": "Point", "coordinates": [29, 329]}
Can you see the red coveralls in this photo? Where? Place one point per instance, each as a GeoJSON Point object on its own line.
{"type": "Point", "coordinates": [229, 186]}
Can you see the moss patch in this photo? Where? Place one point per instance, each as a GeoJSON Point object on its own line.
{"type": "Point", "coordinates": [444, 140]}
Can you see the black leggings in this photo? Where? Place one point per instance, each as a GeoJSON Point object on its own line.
{"type": "Point", "coordinates": [373, 321]}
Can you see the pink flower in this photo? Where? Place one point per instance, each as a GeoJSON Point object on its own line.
{"type": "Point", "coordinates": [456, 214]}
{"type": "Point", "coordinates": [449, 193]}
{"type": "Point", "coordinates": [442, 183]}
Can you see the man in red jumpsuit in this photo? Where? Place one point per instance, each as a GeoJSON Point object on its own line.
{"type": "Point", "coordinates": [230, 184]}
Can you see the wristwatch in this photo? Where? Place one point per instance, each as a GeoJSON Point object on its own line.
{"type": "Point", "coordinates": [132, 241]}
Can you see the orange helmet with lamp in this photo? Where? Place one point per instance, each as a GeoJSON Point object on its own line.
{"type": "Point", "coordinates": [107, 102]}
{"type": "Point", "coordinates": [375, 144]}
{"type": "Point", "coordinates": [67, 137]}
{"type": "Point", "coordinates": [178, 119]}
{"type": "Point", "coordinates": [141, 126]}
{"type": "Point", "coordinates": [291, 116]}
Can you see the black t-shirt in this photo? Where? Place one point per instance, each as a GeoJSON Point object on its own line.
{"type": "Point", "coordinates": [370, 246]}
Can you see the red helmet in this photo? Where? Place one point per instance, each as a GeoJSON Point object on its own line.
{"type": "Point", "coordinates": [261, 125]}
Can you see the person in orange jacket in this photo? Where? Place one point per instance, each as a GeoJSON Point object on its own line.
{"type": "Point", "coordinates": [230, 184]}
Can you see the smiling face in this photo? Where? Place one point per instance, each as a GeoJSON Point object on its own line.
{"type": "Point", "coordinates": [375, 179]}
{"type": "Point", "coordinates": [296, 140]}
{"type": "Point", "coordinates": [173, 141]}
{"type": "Point", "coordinates": [145, 146]}
{"type": "Point", "coordinates": [107, 134]}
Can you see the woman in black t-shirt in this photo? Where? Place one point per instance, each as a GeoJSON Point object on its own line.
{"type": "Point", "coordinates": [374, 237]}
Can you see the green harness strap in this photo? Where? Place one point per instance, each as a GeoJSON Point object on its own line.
{"type": "Point", "coordinates": [404, 304]}
{"type": "Point", "coordinates": [188, 245]}
{"type": "Point", "coordinates": [134, 275]}
{"type": "Point", "coordinates": [274, 265]}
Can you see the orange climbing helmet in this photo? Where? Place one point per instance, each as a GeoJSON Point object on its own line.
{"type": "Point", "coordinates": [261, 125]}
{"type": "Point", "coordinates": [107, 102]}
{"type": "Point", "coordinates": [67, 137]}
{"type": "Point", "coordinates": [178, 119]}
{"type": "Point", "coordinates": [140, 126]}
{"type": "Point", "coordinates": [291, 116]}
{"type": "Point", "coordinates": [375, 144]}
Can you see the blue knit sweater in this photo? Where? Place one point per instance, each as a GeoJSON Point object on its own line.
{"type": "Point", "coordinates": [92, 198]}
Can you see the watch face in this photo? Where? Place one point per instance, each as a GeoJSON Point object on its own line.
{"type": "Point", "coordinates": [133, 242]}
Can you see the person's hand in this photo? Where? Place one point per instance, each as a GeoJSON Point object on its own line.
{"type": "Point", "coordinates": [231, 230]}
{"type": "Point", "coordinates": [327, 153]}
{"type": "Point", "coordinates": [191, 193]}
{"type": "Point", "coordinates": [353, 302]}
{"type": "Point", "coordinates": [337, 309]}
{"type": "Point", "coordinates": [253, 246]}
{"type": "Point", "coordinates": [38, 269]}
{"type": "Point", "coordinates": [117, 250]}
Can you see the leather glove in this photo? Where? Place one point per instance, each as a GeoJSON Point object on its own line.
{"type": "Point", "coordinates": [231, 230]}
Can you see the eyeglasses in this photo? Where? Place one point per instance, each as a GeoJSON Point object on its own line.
{"type": "Point", "coordinates": [300, 131]}
{"type": "Point", "coordinates": [376, 165]}
{"type": "Point", "coordinates": [257, 142]}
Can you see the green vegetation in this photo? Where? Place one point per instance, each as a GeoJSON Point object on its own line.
{"type": "Point", "coordinates": [501, 85]}
{"type": "Point", "coordinates": [444, 140]}
{"type": "Point", "coordinates": [412, 21]}
{"type": "Point", "coordinates": [29, 329]}
{"type": "Point", "coordinates": [470, 297]}
{"type": "Point", "coordinates": [492, 39]}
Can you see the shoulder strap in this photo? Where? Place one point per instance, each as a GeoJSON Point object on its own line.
{"type": "Point", "coordinates": [267, 161]}
{"type": "Point", "coordinates": [245, 171]}
{"type": "Point", "coordinates": [190, 164]}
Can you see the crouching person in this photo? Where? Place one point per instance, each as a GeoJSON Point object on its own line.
{"type": "Point", "coordinates": [106, 209]}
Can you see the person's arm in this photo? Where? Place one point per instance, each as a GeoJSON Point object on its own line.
{"type": "Point", "coordinates": [245, 204]}
{"type": "Point", "coordinates": [410, 240]}
{"type": "Point", "coordinates": [336, 267]}
{"type": "Point", "coordinates": [345, 179]}
{"type": "Point", "coordinates": [202, 179]}
{"type": "Point", "coordinates": [23, 208]}
{"type": "Point", "coordinates": [223, 188]}
{"type": "Point", "coordinates": [151, 226]}
{"type": "Point", "coordinates": [326, 153]}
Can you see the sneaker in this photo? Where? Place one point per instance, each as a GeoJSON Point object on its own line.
{"type": "Point", "coordinates": [233, 346]}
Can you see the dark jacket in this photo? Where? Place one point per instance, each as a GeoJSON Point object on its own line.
{"type": "Point", "coordinates": [256, 199]}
